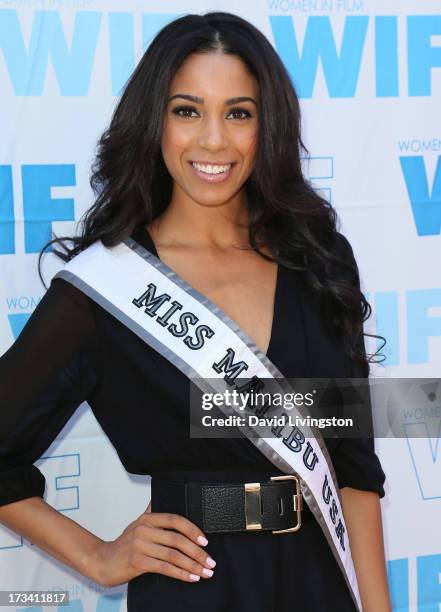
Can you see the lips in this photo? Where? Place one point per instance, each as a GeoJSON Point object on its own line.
{"type": "Point", "coordinates": [212, 177]}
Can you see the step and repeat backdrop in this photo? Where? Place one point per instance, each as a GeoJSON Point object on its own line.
{"type": "Point", "coordinates": [368, 74]}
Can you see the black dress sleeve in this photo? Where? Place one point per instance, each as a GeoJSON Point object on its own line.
{"type": "Point", "coordinates": [355, 462]}
{"type": "Point", "coordinates": [51, 368]}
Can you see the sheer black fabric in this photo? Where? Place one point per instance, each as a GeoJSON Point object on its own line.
{"type": "Point", "coordinates": [49, 370]}
{"type": "Point", "coordinates": [72, 350]}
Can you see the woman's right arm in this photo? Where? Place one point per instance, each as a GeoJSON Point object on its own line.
{"type": "Point", "coordinates": [155, 542]}
{"type": "Point", "coordinates": [52, 367]}
{"type": "Point", "coordinates": [45, 375]}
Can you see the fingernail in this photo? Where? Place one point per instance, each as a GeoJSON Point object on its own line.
{"type": "Point", "coordinates": [210, 562]}
{"type": "Point", "coordinates": [207, 572]}
{"type": "Point", "coordinates": [202, 541]}
{"type": "Point", "coordinates": [194, 577]}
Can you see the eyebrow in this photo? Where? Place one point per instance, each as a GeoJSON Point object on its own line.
{"type": "Point", "coordinates": [198, 100]}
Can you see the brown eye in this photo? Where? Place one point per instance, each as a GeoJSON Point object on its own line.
{"type": "Point", "coordinates": [183, 111]}
{"type": "Point", "coordinates": [241, 111]}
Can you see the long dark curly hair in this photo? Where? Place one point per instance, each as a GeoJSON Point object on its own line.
{"type": "Point", "coordinates": [133, 186]}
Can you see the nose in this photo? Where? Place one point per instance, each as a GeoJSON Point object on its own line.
{"type": "Point", "coordinates": [212, 134]}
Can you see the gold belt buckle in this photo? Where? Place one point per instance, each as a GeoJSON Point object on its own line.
{"type": "Point", "coordinates": [297, 499]}
{"type": "Point", "coordinates": [253, 505]}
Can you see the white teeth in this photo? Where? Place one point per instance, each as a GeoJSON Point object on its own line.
{"type": "Point", "coordinates": [211, 169]}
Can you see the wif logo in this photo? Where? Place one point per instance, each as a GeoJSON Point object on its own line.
{"type": "Point", "coordinates": [27, 57]}
{"type": "Point", "coordinates": [341, 66]}
{"type": "Point", "coordinates": [425, 202]}
{"type": "Point", "coordinates": [422, 575]}
{"type": "Point", "coordinates": [40, 208]}
{"type": "Point", "coordinates": [414, 410]}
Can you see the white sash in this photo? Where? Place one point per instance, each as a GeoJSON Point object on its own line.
{"type": "Point", "coordinates": [126, 279]}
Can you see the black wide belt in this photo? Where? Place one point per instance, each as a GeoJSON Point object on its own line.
{"type": "Point", "coordinates": [275, 505]}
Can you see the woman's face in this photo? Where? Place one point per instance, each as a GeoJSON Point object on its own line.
{"type": "Point", "coordinates": [209, 138]}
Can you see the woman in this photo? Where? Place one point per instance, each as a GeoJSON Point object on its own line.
{"type": "Point", "coordinates": [200, 168]}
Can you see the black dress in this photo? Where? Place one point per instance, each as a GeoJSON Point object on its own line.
{"type": "Point", "coordinates": [72, 350]}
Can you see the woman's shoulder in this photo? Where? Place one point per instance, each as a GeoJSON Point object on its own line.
{"type": "Point", "coordinates": [342, 247]}
{"type": "Point", "coordinates": [344, 266]}
{"type": "Point", "coordinates": [60, 330]}
{"type": "Point", "coordinates": [340, 263]}
{"type": "Point", "coordinates": [65, 297]}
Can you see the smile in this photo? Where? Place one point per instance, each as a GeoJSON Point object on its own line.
{"type": "Point", "coordinates": [212, 173]}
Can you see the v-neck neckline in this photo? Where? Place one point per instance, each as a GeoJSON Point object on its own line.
{"type": "Point", "coordinates": [141, 235]}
